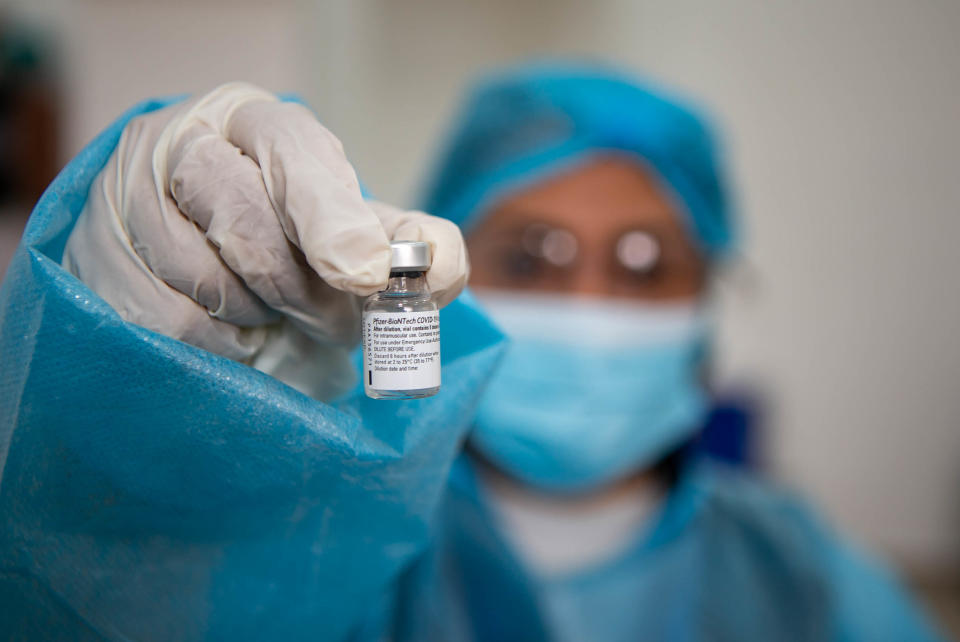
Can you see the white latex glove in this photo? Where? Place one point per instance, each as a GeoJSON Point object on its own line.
{"type": "Point", "coordinates": [235, 223]}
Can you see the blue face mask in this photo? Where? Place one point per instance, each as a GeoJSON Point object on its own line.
{"type": "Point", "coordinates": [590, 390]}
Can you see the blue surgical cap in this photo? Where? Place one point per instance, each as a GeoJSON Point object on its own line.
{"type": "Point", "coordinates": [531, 122]}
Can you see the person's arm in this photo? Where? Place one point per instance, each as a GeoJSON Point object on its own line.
{"type": "Point", "coordinates": [233, 221]}
{"type": "Point", "coordinates": [153, 489]}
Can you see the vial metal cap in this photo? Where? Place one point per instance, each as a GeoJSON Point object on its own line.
{"type": "Point", "coordinates": [409, 256]}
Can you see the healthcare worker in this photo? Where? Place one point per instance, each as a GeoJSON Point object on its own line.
{"type": "Point", "coordinates": [186, 454]}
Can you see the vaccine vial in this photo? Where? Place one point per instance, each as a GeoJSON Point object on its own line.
{"type": "Point", "coordinates": [401, 330]}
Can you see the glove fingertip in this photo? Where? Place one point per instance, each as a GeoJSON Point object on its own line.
{"type": "Point", "coordinates": [343, 274]}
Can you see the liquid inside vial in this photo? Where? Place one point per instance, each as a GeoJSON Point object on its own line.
{"type": "Point", "coordinates": [401, 336]}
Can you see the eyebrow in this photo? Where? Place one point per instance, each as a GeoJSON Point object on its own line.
{"type": "Point", "coordinates": [656, 226]}
{"type": "Point", "coordinates": [523, 216]}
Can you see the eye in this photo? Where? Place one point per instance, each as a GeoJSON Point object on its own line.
{"type": "Point", "coordinates": [539, 249]}
{"type": "Point", "coordinates": [639, 253]}
{"type": "Point", "coordinates": [555, 245]}
{"type": "Point", "coordinates": [559, 248]}
{"type": "Point", "coordinates": [520, 264]}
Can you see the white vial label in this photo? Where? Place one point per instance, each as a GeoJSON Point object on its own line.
{"type": "Point", "coordinates": [401, 350]}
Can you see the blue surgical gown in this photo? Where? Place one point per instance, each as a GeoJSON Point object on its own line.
{"type": "Point", "coordinates": [153, 491]}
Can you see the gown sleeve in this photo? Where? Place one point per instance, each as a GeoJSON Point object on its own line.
{"type": "Point", "coordinates": [870, 602]}
{"type": "Point", "coordinates": [152, 490]}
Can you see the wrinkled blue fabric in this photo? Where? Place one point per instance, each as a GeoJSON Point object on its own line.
{"type": "Point", "coordinates": [726, 558]}
{"type": "Point", "coordinates": [530, 122]}
{"type": "Point", "coordinates": [153, 491]}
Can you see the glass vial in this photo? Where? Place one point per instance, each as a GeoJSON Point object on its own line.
{"type": "Point", "coordinates": [401, 330]}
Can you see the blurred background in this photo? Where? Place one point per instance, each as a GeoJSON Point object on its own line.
{"type": "Point", "coordinates": [842, 122]}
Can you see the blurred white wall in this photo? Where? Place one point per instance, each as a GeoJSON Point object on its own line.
{"type": "Point", "coordinates": [117, 52]}
{"type": "Point", "coordinates": [844, 118]}
{"type": "Point", "coordinates": [843, 126]}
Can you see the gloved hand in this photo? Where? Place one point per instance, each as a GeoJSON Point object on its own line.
{"type": "Point", "coordinates": [235, 223]}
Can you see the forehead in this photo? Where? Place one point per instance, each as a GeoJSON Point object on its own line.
{"type": "Point", "coordinates": [603, 193]}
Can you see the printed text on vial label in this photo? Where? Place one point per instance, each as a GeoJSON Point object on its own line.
{"type": "Point", "coordinates": [401, 350]}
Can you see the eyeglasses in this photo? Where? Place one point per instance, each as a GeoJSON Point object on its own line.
{"type": "Point", "coordinates": [636, 261]}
